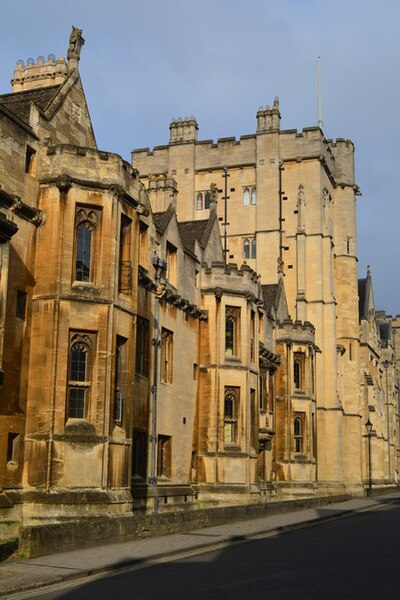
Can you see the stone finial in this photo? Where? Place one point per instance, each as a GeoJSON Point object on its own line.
{"type": "Point", "coordinates": [213, 197]}
{"type": "Point", "coordinates": [76, 42]}
{"type": "Point", "coordinates": [183, 130]}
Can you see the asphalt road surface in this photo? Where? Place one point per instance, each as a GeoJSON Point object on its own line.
{"type": "Point", "coordinates": [355, 557]}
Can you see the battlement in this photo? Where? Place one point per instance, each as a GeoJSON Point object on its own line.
{"type": "Point", "coordinates": [162, 192]}
{"type": "Point", "coordinates": [162, 182]}
{"type": "Point", "coordinates": [39, 74]}
{"type": "Point", "coordinates": [296, 331]}
{"type": "Point", "coordinates": [219, 279]}
{"type": "Point", "coordinates": [269, 119]}
{"type": "Point", "coordinates": [91, 168]}
{"type": "Point", "coordinates": [45, 73]}
{"type": "Point", "coordinates": [183, 130]}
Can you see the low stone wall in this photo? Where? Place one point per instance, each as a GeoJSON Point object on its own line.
{"type": "Point", "coordinates": [39, 540]}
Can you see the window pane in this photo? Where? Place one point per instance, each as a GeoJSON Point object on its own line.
{"type": "Point", "coordinates": [253, 196]}
{"type": "Point", "coordinates": [253, 249]}
{"type": "Point", "coordinates": [229, 407]}
{"type": "Point", "coordinates": [229, 433]}
{"type": "Point", "coordinates": [246, 249]}
{"type": "Point", "coordinates": [296, 374]}
{"type": "Point", "coordinates": [207, 197]}
{"type": "Point", "coordinates": [78, 364]}
{"type": "Point", "coordinates": [83, 252]}
{"type": "Point", "coordinates": [199, 201]}
{"type": "Point", "coordinates": [229, 336]}
{"type": "Point", "coordinates": [246, 197]}
{"type": "Point", "coordinates": [76, 405]}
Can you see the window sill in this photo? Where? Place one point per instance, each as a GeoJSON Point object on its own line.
{"type": "Point", "coordinates": [234, 448]}
{"type": "Point", "coordinates": [84, 287]}
{"type": "Point", "coordinates": [233, 359]}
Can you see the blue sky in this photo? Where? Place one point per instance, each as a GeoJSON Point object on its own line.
{"type": "Point", "coordinates": [145, 63]}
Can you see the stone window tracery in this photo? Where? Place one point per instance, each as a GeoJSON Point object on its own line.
{"type": "Point", "coordinates": [79, 374]}
{"type": "Point", "coordinates": [85, 227]}
{"type": "Point", "coordinates": [232, 319]}
{"type": "Point", "coordinates": [231, 409]}
{"type": "Point", "coordinates": [298, 432]}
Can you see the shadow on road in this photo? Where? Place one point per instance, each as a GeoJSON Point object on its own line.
{"type": "Point", "coordinates": [356, 557]}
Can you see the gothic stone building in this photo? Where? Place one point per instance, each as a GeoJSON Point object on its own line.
{"type": "Point", "coordinates": [148, 361]}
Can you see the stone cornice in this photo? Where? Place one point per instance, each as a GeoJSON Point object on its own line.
{"type": "Point", "coordinates": [169, 296]}
{"type": "Point", "coordinates": [20, 208]}
{"type": "Point", "coordinates": [64, 182]}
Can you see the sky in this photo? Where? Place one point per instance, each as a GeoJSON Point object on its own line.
{"type": "Point", "coordinates": [147, 62]}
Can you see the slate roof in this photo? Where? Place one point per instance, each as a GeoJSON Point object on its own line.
{"type": "Point", "coordinates": [19, 103]}
{"type": "Point", "coordinates": [269, 292]}
{"type": "Point", "coordinates": [161, 219]}
{"type": "Point", "coordinates": [191, 231]}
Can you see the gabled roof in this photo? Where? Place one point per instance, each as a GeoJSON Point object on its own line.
{"type": "Point", "coordinates": [19, 103]}
{"type": "Point", "coordinates": [270, 292]}
{"type": "Point", "coordinates": [162, 219]}
{"type": "Point", "coordinates": [191, 231]}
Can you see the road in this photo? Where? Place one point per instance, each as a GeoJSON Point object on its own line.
{"type": "Point", "coordinates": [355, 557]}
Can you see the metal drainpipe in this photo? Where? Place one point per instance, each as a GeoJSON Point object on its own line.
{"type": "Point", "coordinates": [159, 265]}
{"type": "Point", "coordinates": [386, 365]}
{"type": "Point", "coordinates": [281, 169]}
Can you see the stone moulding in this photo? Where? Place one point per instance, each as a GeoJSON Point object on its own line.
{"type": "Point", "coordinates": [65, 181]}
{"type": "Point", "coordinates": [168, 296]}
{"type": "Point", "coordinates": [20, 208]}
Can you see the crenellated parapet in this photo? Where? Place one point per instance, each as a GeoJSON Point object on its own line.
{"type": "Point", "coordinates": [301, 332]}
{"type": "Point", "coordinates": [39, 74]}
{"type": "Point", "coordinates": [162, 191]}
{"type": "Point", "coordinates": [219, 279]}
{"type": "Point", "coordinates": [183, 130]}
{"type": "Point", "coordinates": [88, 167]}
{"type": "Point", "coordinates": [269, 119]}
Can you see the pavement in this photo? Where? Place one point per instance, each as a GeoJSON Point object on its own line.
{"type": "Point", "coordinates": [18, 576]}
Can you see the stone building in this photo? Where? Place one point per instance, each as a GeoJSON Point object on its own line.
{"type": "Point", "coordinates": [184, 331]}
{"type": "Point", "coordinates": [286, 206]}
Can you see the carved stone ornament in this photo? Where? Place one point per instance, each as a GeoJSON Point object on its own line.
{"type": "Point", "coordinates": [88, 217]}
{"type": "Point", "coordinates": [301, 199]}
{"type": "Point", "coordinates": [64, 183]}
{"type": "Point", "coordinates": [76, 42]}
{"type": "Point", "coordinates": [326, 198]}
{"type": "Point", "coordinates": [214, 192]}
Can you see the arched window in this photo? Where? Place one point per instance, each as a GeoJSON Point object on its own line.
{"type": "Point", "coordinates": [298, 370]}
{"type": "Point", "coordinates": [246, 197]}
{"type": "Point", "coordinates": [246, 249]}
{"type": "Point", "coordinates": [79, 375]}
{"type": "Point", "coordinates": [86, 223]}
{"type": "Point", "coordinates": [229, 336]}
{"type": "Point", "coordinates": [199, 201]}
{"type": "Point", "coordinates": [253, 248]}
{"type": "Point", "coordinates": [232, 316]}
{"type": "Point", "coordinates": [231, 402]}
{"type": "Point", "coordinates": [83, 252]}
{"type": "Point", "coordinates": [207, 198]}
{"type": "Point", "coordinates": [298, 433]}
{"type": "Point", "coordinates": [253, 196]}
